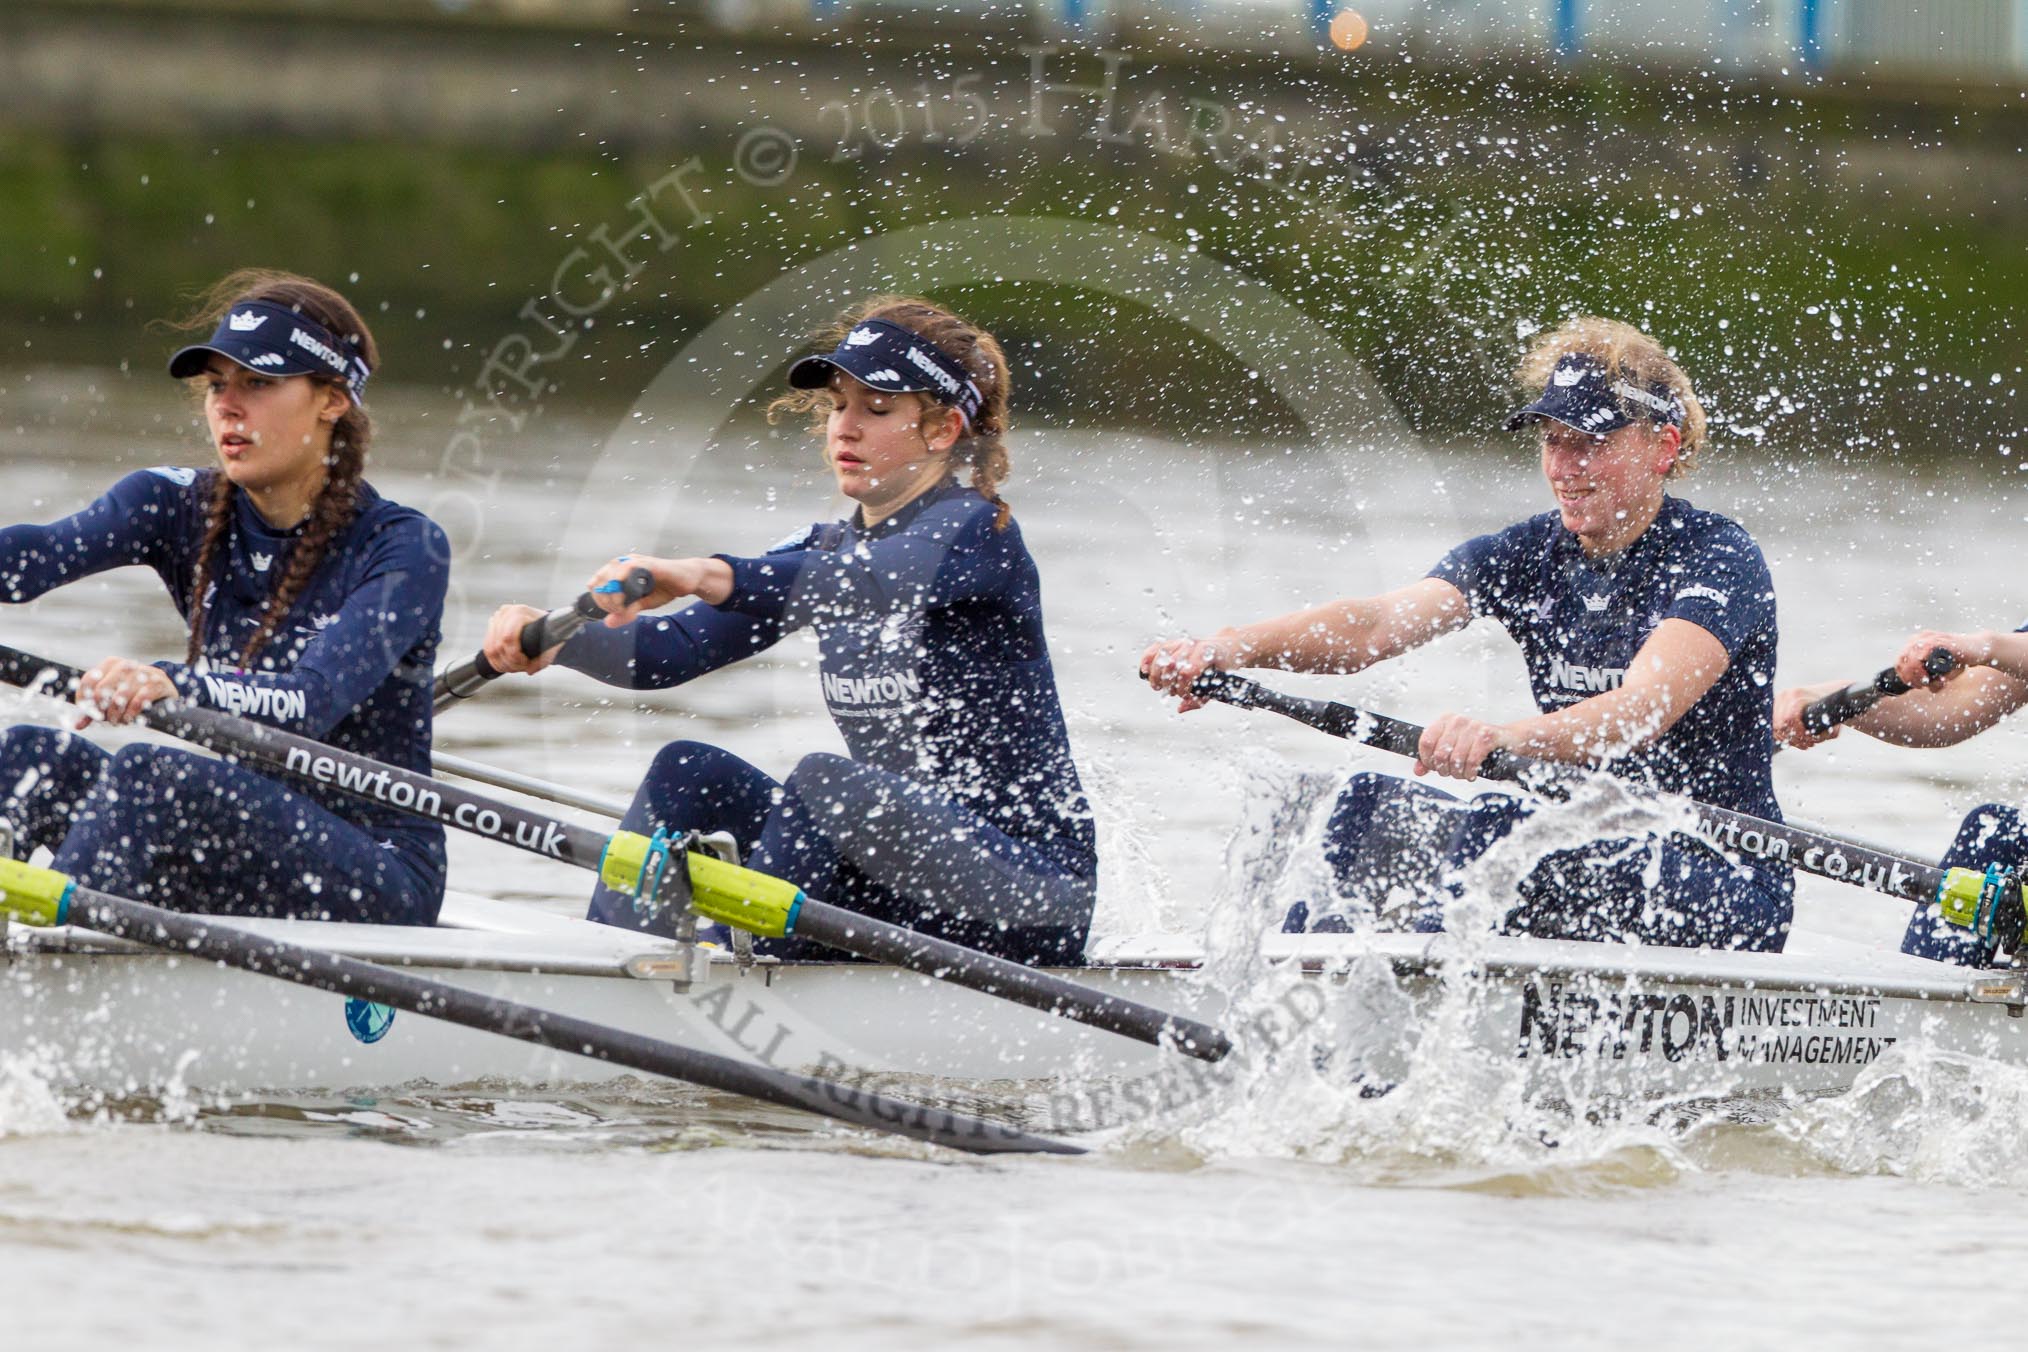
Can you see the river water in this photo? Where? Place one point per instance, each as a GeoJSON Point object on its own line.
{"type": "Point", "coordinates": [641, 1215]}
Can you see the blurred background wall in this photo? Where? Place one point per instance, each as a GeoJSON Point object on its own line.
{"type": "Point", "coordinates": [1822, 203]}
{"type": "Point", "coordinates": [1936, 37]}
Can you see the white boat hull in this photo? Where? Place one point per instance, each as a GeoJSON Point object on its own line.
{"type": "Point", "coordinates": [1576, 1021]}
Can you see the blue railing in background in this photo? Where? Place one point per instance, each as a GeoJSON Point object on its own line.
{"type": "Point", "coordinates": [1928, 38]}
{"type": "Point", "coordinates": [1564, 27]}
{"type": "Point", "coordinates": [1810, 32]}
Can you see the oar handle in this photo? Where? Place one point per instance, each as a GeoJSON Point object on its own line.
{"type": "Point", "coordinates": [1732, 833]}
{"type": "Point", "coordinates": [389, 786]}
{"type": "Point", "coordinates": [1845, 705]}
{"type": "Point", "coordinates": [1362, 726]}
{"type": "Point", "coordinates": [538, 636]}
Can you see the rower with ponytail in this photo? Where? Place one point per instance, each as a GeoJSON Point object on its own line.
{"type": "Point", "coordinates": [312, 604]}
{"type": "Point", "coordinates": [958, 809]}
{"type": "Point", "coordinates": [981, 446]}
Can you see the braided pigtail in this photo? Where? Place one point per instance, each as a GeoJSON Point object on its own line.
{"type": "Point", "coordinates": [331, 513]}
{"type": "Point", "coordinates": [217, 516]}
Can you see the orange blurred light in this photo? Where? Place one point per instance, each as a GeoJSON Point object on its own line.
{"type": "Point", "coordinates": [1348, 30]}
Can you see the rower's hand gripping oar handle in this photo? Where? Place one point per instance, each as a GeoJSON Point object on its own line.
{"type": "Point", "coordinates": [1845, 705]}
{"type": "Point", "coordinates": [1358, 725]}
{"type": "Point", "coordinates": [467, 678]}
{"type": "Point", "coordinates": [1991, 903]}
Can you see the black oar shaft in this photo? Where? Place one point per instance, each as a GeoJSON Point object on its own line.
{"type": "Point", "coordinates": [1813, 852]}
{"type": "Point", "coordinates": [478, 814]}
{"type": "Point", "coordinates": [538, 833]}
{"type": "Point", "coordinates": [465, 679]}
{"type": "Point", "coordinates": [356, 776]}
{"type": "Point", "coordinates": [235, 947]}
{"type": "Point", "coordinates": [961, 966]}
{"type": "Point", "coordinates": [1354, 725]}
{"type": "Point", "coordinates": [1842, 706]}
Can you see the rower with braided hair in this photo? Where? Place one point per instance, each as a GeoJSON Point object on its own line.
{"type": "Point", "coordinates": [313, 604]}
{"type": "Point", "coordinates": [957, 809]}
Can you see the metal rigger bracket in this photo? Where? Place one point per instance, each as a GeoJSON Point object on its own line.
{"type": "Point", "coordinates": [1998, 907]}
{"type": "Point", "coordinates": [666, 888]}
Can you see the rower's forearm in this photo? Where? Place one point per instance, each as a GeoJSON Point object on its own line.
{"type": "Point", "coordinates": [715, 582]}
{"type": "Point", "coordinates": [1337, 638]}
{"type": "Point", "coordinates": [1595, 730]}
{"type": "Point", "coordinates": [2010, 655]}
{"type": "Point", "coordinates": [1927, 719]}
{"type": "Point", "coordinates": [1905, 721]}
{"type": "Point", "coordinates": [1349, 635]}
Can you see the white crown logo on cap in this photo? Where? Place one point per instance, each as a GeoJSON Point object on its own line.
{"type": "Point", "coordinates": [1568, 375]}
{"type": "Point", "coordinates": [247, 321]}
{"type": "Point", "coordinates": [861, 337]}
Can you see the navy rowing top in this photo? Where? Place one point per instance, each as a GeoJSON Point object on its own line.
{"type": "Point", "coordinates": [350, 664]}
{"type": "Point", "coordinates": [1580, 621]}
{"type": "Point", "coordinates": [934, 663]}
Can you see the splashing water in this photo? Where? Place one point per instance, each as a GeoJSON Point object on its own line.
{"type": "Point", "coordinates": [1390, 1075]}
{"type": "Point", "coordinates": [29, 1102]}
{"type": "Point", "coordinates": [1922, 1114]}
{"type": "Point", "coordinates": [38, 706]}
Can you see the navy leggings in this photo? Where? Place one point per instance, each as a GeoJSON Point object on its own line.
{"type": "Point", "coordinates": [868, 840]}
{"type": "Point", "coordinates": [1991, 834]}
{"type": "Point", "coordinates": [186, 832]}
{"type": "Point", "coordinates": [1395, 847]}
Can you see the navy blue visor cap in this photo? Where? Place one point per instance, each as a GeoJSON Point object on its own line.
{"type": "Point", "coordinates": [276, 341]}
{"type": "Point", "coordinates": [887, 357]}
{"type": "Point", "coordinates": [1584, 395]}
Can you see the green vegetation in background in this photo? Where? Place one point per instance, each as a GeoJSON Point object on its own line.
{"type": "Point", "coordinates": [99, 231]}
{"type": "Point", "coordinates": [1426, 260]}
